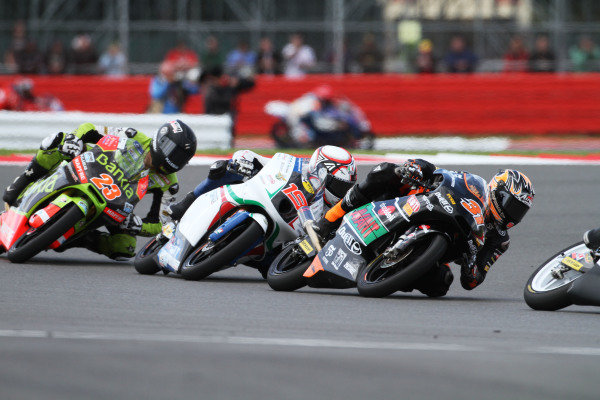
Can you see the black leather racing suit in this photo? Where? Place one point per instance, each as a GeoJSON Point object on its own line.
{"type": "Point", "coordinates": [383, 182]}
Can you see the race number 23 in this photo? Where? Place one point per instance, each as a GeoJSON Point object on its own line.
{"type": "Point", "coordinates": [107, 186]}
{"type": "Point", "coordinates": [295, 195]}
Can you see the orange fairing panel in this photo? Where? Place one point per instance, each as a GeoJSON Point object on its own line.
{"type": "Point", "coordinates": [315, 267]}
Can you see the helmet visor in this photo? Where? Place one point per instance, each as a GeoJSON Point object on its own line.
{"type": "Point", "coordinates": [513, 208]}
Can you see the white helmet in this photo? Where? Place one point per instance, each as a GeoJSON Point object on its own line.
{"type": "Point", "coordinates": [336, 171]}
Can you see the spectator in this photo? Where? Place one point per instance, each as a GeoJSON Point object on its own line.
{"type": "Point", "coordinates": [268, 60]}
{"type": "Point", "coordinates": [212, 57]}
{"type": "Point", "coordinates": [169, 90]}
{"type": "Point", "coordinates": [517, 57]}
{"type": "Point", "coordinates": [426, 61]}
{"type": "Point", "coordinates": [113, 61]}
{"type": "Point", "coordinates": [221, 93]}
{"type": "Point", "coordinates": [369, 57]}
{"type": "Point", "coordinates": [56, 58]}
{"type": "Point", "coordinates": [586, 56]}
{"type": "Point", "coordinates": [542, 59]}
{"type": "Point", "coordinates": [460, 59]}
{"type": "Point", "coordinates": [83, 55]}
{"type": "Point", "coordinates": [240, 59]}
{"type": "Point", "coordinates": [299, 58]}
{"type": "Point", "coordinates": [29, 60]}
{"type": "Point", "coordinates": [347, 57]}
{"type": "Point", "coordinates": [17, 45]}
{"type": "Point", "coordinates": [182, 56]}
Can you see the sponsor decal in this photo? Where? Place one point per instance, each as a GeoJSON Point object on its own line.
{"type": "Point", "coordinates": [411, 206]}
{"type": "Point", "coordinates": [306, 247]}
{"type": "Point", "coordinates": [176, 127]}
{"type": "Point", "coordinates": [109, 142]}
{"type": "Point", "coordinates": [577, 256]}
{"type": "Point", "coordinates": [114, 215]}
{"type": "Point", "coordinates": [106, 185]}
{"type": "Point", "coordinates": [388, 211]}
{"type": "Point", "coordinates": [348, 266]}
{"type": "Point", "coordinates": [569, 262]}
{"type": "Point", "coordinates": [88, 156]}
{"type": "Point", "coordinates": [308, 187]}
{"type": "Point", "coordinates": [349, 241]}
{"type": "Point", "coordinates": [128, 208]}
{"type": "Point", "coordinates": [428, 204]}
{"type": "Point", "coordinates": [83, 206]}
{"type": "Point", "coordinates": [330, 250]}
{"type": "Point", "coordinates": [588, 258]}
{"type": "Point", "coordinates": [79, 169]}
{"type": "Point", "coordinates": [122, 143]}
{"type": "Point", "coordinates": [445, 204]}
{"type": "Point", "coordinates": [474, 190]}
{"type": "Point", "coordinates": [142, 187]}
{"type": "Point", "coordinates": [365, 222]}
{"type": "Point", "coordinates": [339, 259]}
{"type": "Point", "coordinates": [279, 176]}
{"type": "Point", "coordinates": [449, 196]}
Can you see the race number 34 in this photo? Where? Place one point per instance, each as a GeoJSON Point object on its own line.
{"type": "Point", "coordinates": [295, 195]}
{"type": "Point", "coordinates": [474, 209]}
{"type": "Point", "coordinates": [107, 186]}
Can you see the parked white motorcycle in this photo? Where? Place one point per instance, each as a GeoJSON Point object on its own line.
{"type": "Point", "coordinates": [235, 224]}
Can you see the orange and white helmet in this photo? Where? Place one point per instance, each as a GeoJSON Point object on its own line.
{"type": "Point", "coordinates": [335, 169]}
{"type": "Point", "coordinates": [510, 197]}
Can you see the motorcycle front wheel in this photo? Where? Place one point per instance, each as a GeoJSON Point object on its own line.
{"type": "Point", "coordinates": [145, 260]}
{"type": "Point", "coordinates": [209, 257]}
{"type": "Point", "coordinates": [547, 291]}
{"type": "Point", "coordinates": [36, 240]}
{"type": "Point", "coordinates": [287, 270]}
{"type": "Point", "coordinates": [382, 276]}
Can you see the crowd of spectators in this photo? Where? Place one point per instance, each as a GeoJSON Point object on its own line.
{"type": "Point", "coordinates": [295, 59]}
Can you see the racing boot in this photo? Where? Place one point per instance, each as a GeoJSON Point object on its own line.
{"type": "Point", "coordinates": [592, 238]}
{"type": "Point", "coordinates": [33, 172]}
{"type": "Point", "coordinates": [116, 246]}
{"type": "Point", "coordinates": [436, 281]}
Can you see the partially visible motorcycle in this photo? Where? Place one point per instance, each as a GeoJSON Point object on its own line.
{"type": "Point", "coordinates": [570, 277]}
{"type": "Point", "coordinates": [101, 185]}
{"type": "Point", "coordinates": [385, 246]}
{"type": "Point", "coordinates": [234, 224]}
{"type": "Point", "coordinates": [300, 124]}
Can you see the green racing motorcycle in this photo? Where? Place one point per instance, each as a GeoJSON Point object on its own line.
{"type": "Point", "coordinates": [100, 186]}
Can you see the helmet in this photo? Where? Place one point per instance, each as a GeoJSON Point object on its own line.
{"type": "Point", "coordinates": [324, 92]}
{"type": "Point", "coordinates": [24, 87]}
{"type": "Point", "coordinates": [335, 169]}
{"type": "Point", "coordinates": [173, 145]}
{"type": "Point", "coordinates": [510, 197]}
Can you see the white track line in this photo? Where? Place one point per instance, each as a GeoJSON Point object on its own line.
{"type": "Point", "coordinates": [295, 342]}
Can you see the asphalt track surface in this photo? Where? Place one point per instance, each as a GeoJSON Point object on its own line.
{"type": "Point", "coordinates": [76, 325]}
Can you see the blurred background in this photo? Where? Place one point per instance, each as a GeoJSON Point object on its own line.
{"type": "Point", "coordinates": [390, 67]}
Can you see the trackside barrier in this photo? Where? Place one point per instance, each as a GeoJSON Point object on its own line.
{"type": "Point", "coordinates": [479, 104]}
{"type": "Point", "coordinates": [25, 130]}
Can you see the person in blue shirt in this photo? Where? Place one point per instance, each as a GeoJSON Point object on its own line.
{"type": "Point", "coordinates": [460, 59]}
{"type": "Point", "coordinates": [170, 89]}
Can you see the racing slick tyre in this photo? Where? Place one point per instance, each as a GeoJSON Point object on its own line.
{"type": "Point", "coordinates": [287, 270]}
{"type": "Point", "coordinates": [546, 293]}
{"type": "Point", "coordinates": [210, 257]}
{"type": "Point", "coordinates": [383, 277]}
{"type": "Point", "coordinates": [145, 260]}
{"type": "Point", "coordinates": [37, 240]}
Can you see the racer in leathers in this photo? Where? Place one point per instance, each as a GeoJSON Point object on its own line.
{"type": "Point", "coordinates": [169, 150]}
{"type": "Point", "coordinates": [510, 197]}
{"type": "Point", "coordinates": [327, 176]}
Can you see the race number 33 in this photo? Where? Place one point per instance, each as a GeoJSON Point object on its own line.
{"type": "Point", "coordinates": [107, 186]}
{"type": "Point", "coordinates": [295, 195]}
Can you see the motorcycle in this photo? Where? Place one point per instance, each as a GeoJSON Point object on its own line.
{"type": "Point", "coordinates": [385, 246]}
{"type": "Point", "coordinates": [51, 213]}
{"type": "Point", "coordinates": [570, 277]}
{"type": "Point", "coordinates": [234, 224]}
{"type": "Point", "coordinates": [300, 125]}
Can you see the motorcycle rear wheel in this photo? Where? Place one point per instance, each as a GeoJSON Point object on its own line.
{"type": "Point", "coordinates": [287, 270]}
{"type": "Point", "coordinates": [202, 262]}
{"type": "Point", "coordinates": [556, 296]}
{"type": "Point", "coordinates": [145, 260]}
{"type": "Point", "coordinates": [37, 240]}
{"type": "Point", "coordinates": [376, 280]}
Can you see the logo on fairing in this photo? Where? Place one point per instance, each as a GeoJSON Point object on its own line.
{"type": "Point", "coordinates": [388, 211]}
{"type": "Point", "coordinates": [411, 206]}
{"type": "Point", "coordinates": [445, 204]}
{"type": "Point", "coordinates": [349, 241]}
{"type": "Point", "coordinates": [339, 259]}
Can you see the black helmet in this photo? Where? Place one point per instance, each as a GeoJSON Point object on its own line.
{"type": "Point", "coordinates": [173, 145]}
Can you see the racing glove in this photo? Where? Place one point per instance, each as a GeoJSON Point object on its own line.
{"type": "Point", "coordinates": [411, 170]}
{"type": "Point", "coordinates": [72, 146]}
{"type": "Point", "coordinates": [326, 229]}
{"type": "Point", "coordinates": [53, 141]}
{"type": "Point", "coordinates": [132, 224]}
{"type": "Point", "coordinates": [471, 276]}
